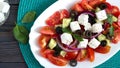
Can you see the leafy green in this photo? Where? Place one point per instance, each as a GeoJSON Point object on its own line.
{"type": "Point", "coordinates": [21, 34]}
{"type": "Point", "coordinates": [66, 30]}
{"type": "Point", "coordinates": [77, 37]}
{"type": "Point", "coordinates": [109, 19]}
{"type": "Point", "coordinates": [29, 17]}
{"type": "Point", "coordinates": [111, 31]}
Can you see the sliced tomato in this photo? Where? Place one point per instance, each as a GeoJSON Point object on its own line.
{"type": "Point", "coordinates": [102, 49]}
{"type": "Point", "coordinates": [43, 40]}
{"type": "Point", "coordinates": [119, 19]}
{"type": "Point", "coordinates": [115, 11]}
{"type": "Point", "coordinates": [82, 55]}
{"type": "Point", "coordinates": [44, 52]}
{"type": "Point", "coordinates": [91, 54]}
{"type": "Point", "coordinates": [93, 3]}
{"type": "Point", "coordinates": [109, 7]}
{"type": "Point", "coordinates": [60, 61]}
{"type": "Point", "coordinates": [85, 5]}
{"type": "Point", "coordinates": [116, 37]}
{"type": "Point", "coordinates": [47, 30]}
{"type": "Point", "coordinates": [64, 14]}
{"type": "Point", "coordinates": [71, 55]}
{"type": "Point", "coordinates": [54, 19]}
{"type": "Point", "coordinates": [77, 7]}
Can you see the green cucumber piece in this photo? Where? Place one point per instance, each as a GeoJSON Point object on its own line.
{"type": "Point", "coordinates": [114, 19]}
{"type": "Point", "coordinates": [63, 53]}
{"type": "Point", "coordinates": [66, 22]}
{"type": "Point", "coordinates": [52, 44]}
{"type": "Point", "coordinates": [101, 37]}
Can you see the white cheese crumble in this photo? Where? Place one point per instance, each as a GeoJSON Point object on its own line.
{"type": "Point", "coordinates": [74, 26]}
{"type": "Point", "coordinates": [101, 15]}
{"type": "Point", "coordinates": [4, 7]}
{"type": "Point", "coordinates": [83, 19]}
{"type": "Point", "coordinates": [94, 43]}
{"type": "Point", "coordinates": [83, 44]}
{"type": "Point", "coordinates": [2, 17]}
{"type": "Point", "coordinates": [66, 38]}
{"type": "Point", "coordinates": [97, 28]}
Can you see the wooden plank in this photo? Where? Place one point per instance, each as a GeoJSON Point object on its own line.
{"type": "Point", "coordinates": [13, 1]}
{"type": "Point", "coordinates": [10, 52]}
{"type": "Point", "coordinates": [13, 65]}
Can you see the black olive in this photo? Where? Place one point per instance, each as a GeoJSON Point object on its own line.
{"type": "Point", "coordinates": [102, 6]}
{"type": "Point", "coordinates": [91, 20]}
{"type": "Point", "coordinates": [56, 53]}
{"type": "Point", "coordinates": [73, 14]}
{"type": "Point", "coordinates": [57, 48]}
{"type": "Point", "coordinates": [59, 30]}
{"type": "Point", "coordinates": [79, 32]}
{"type": "Point", "coordinates": [103, 43]}
{"type": "Point", "coordinates": [73, 63]}
{"type": "Point", "coordinates": [87, 34]}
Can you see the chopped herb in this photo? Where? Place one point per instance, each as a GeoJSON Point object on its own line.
{"type": "Point", "coordinates": [109, 19]}
{"type": "Point", "coordinates": [77, 37]}
{"type": "Point", "coordinates": [111, 31]}
{"type": "Point", "coordinates": [67, 30]}
{"type": "Point", "coordinates": [29, 17]}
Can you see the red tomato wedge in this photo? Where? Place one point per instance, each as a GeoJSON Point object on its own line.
{"type": "Point", "coordinates": [60, 61]}
{"type": "Point", "coordinates": [119, 20]}
{"type": "Point", "coordinates": [71, 55]}
{"type": "Point", "coordinates": [43, 40]}
{"type": "Point", "coordinates": [64, 14]}
{"type": "Point", "coordinates": [91, 54]}
{"type": "Point", "coordinates": [53, 19]}
{"type": "Point", "coordinates": [116, 37]}
{"type": "Point", "coordinates": [77, 7]}
{"type": "Point", "coordinates": [47, 30]}
{"type": "Point", "coordinates": [44, 52]}
{"type": "Point", "coordinates": [82, 55]}
{"type": "Point", "coordinates": [85, 5]}
{"type": "Point", "coordinates": [102, 49]}
{"type": "Point", "coordinates": [93, 3]}
{"type": "Point", "coordinates": [115, 11]}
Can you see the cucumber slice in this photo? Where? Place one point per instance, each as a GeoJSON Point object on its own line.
{"type": "Point", "coordinates": [108, 41]}
{"type": "Point", "coordinates": [63, 53]}
{"type": "Point", "coordinates": [52, 44]}
{"type": "Point", "coordinates": [114, 19]}
{"type": "Point", "coordinates": [66, 22]}
{"type": "Point", "coordinates": [101, 37]}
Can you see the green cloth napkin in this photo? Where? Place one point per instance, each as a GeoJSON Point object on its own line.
{"type": "Point", "coordinates": [39, 6]}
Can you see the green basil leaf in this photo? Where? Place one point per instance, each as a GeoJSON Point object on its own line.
{"type": "Point", "coordinates": [29, 17]}
{"type": "Point", "coordinates": [109, 19]}
{"type": "Point", "coordinates": [77, 37]}
{"type": "Point", "coordinates": [21, 34]}
{"type": "Point", "coordinates": [66, 30]}
{"type": "Point", "coordinates": [111, 31]}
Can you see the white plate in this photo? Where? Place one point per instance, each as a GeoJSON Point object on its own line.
{"type": "Point", "coordinates": [40, 21]}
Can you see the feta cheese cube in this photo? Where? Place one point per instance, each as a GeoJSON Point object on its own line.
{"type": "Point", "coordinates": [66, 38]}
{"type": "Point", "coordinates": [74, 26]}
{"type": "Point", "coordinates": [4, 7]}
{"type": "Point", "coordinates": [87, 26]}
{"type": "Point", "coordinates": [83, 19]}
{"type": "Point", "coordinates": [94, 43]}
{"type": "Point", "coordinates": [101, 15]}
{"type": "Point", "coordinates": [83, 44]}
{"type": "Point", "coordinates": [2, 17]}
{"type": "Point", "coordinates": [97, 28]}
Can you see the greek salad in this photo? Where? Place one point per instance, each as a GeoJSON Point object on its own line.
{"type": "Point", "coordinates": [74, 35]}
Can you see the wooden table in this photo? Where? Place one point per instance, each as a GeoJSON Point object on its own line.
{"type": "Point", "coordinates": [10, 55]}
